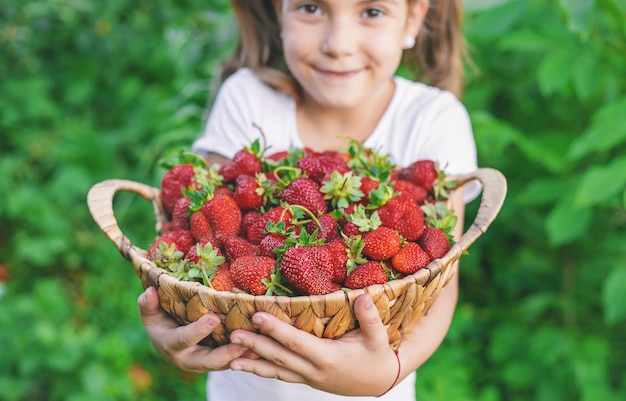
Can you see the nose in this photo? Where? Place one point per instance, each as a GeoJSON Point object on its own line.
{"type": "Point", "coordinates": [341, 38]}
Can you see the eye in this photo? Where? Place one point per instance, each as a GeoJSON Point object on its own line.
{"type": "Point", "coordinates": [310, 8]}
{"type": "Point", "coordinates": [373, 13]}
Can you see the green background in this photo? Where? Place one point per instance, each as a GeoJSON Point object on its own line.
{"type": "Point", "coordinates": [91, 90]}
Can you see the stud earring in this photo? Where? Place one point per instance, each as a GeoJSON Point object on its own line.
{"type": "Point", "coordinates": [409, 42]}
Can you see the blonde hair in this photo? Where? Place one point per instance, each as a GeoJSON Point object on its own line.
{"type": "Point", "coordinates": [436, 59]}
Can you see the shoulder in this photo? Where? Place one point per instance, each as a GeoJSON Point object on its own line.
{"type": "Point", "coordinates": [419, 98]}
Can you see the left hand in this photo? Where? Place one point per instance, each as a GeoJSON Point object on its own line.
{"type": "Point", "coordinates": [361, 362]}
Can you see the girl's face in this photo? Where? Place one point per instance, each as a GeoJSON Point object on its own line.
{"type": "Point", "coordinates": [344, 52]}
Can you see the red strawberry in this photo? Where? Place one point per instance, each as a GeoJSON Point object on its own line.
{"type": "Point", "coordinates": [319, 166]}
{"type": "Point", "coordinates": [369, 273]}
{"type": "Point", "coordinates": [402, 214]}
{"type": "Point", "coordinates": [435, 242]}
{"type": "Point", "coordinates": [422, 172]}
{"type": "Point", "coordinates": [368, 184]}
{"type": "Point", "coordinates": [223, 280]}
{"type": "Point", "coordinates": [180, 214]}
{"type": "Point", "coordinates": [224, 215]}
{"type": "Point", "coordinates": [381, 243]}
{"type": "Point", "coordinates": [235, 247]}
{"type": "Point", "coordinates": [256, 233]}
{"type": "Point", "coordinates": [182, 238]}
{"type": "Point", "coordinates": [200, 228]}
{"type": "Point", "coordinates": [410, 258]}
{"type": "Point", "coordinates": [309, 269]}
{"type": "Point", "coordinates": [173, 182]}
{"type": "Point", "coordinates": [203, 246]}
{"type": "Point", "coordinates": [339, 260]}
{"type": "Point", "coordinates": [247, 220]}
{"type": "Point", "coordinates": [416, 193]}
{"type": "Point", "coordinates": [329, 229]}
{"type": "Point", "coordinates": [246, 194]}
{"type": "Point", "coordinates": [306, 193]}
{"type": "Point", "coordinates": [351, 229]}
{"type": "Point", "coordinates": [269, 243]}
{"type": "Point", "coordinates": [244, 161]}
{"type": "Point", "coordinates": [251, 273]}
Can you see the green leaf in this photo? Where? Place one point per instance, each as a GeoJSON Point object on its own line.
{"type": "Point", "coordinates": [542, 191]}
{"type": "Point", "coordinates": [601, 183]}
{"type": "Point", "coordinates": [566, 223]}
{"type": "Point", "coordinates": [554, 70]}
{"type": "Point", "coordinates": [614, 295]}
{"type": "Point", "coordinates": [577, 12]}
{"type": "Point", "coordinates": [607, 130]}
{"type": "Point", "coordinates": [585, 76]}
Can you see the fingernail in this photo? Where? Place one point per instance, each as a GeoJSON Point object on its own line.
{"type": "Point", "coordinates": [235, 367]}
{"type": "Point", "coordinates": [212, 321]}
{"type": "Point", "coordinates": [236, 340]}
{"type": "Point", "coordinates": [142, 299]}
{"type": "Point", "coordinates": [368, 302]}
{"type": "Point", "coordinates": [258, 318]}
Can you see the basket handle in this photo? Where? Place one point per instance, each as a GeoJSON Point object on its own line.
{"type": "Point", "coordinates": [100, 203]}
{"type": "Point", "coordinates": [493, 194]}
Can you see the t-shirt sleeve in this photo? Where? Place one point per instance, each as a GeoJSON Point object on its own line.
{"type": "Point", "coordinates": [229, 125]}
{"type": "Point", "coordinates": [452, 142]}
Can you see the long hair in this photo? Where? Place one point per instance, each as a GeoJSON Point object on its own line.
{"type": "Point", "coordinates": [436, 59]}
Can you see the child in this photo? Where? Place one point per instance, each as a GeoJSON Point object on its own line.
{"type": "Point", "coordinates": [310, 74]}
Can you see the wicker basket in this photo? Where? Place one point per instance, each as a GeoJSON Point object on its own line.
{"type": "Point", "coordinates": [401, 303]}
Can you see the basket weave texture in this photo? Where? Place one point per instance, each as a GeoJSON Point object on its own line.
{"type": "Point", "coordinates": [401, 303]}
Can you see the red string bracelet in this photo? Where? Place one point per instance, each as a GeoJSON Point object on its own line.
{"type": "Point", "coordinates": [395, 351]}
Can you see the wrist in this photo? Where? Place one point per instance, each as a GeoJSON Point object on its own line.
{"type": "Point", "coordinates": [397, 376]}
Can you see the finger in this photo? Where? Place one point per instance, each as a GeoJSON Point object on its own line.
{"type": "Point", "coordinates": [165, 332]}
{"type": "Point", "coordinates": [279, 342]}
{"type": "Point", "coordinates": [372, 328]}
{"type": "Point", "coordinates": [265, 368]}
{"type": "Point", "coordinates": [150, 310]}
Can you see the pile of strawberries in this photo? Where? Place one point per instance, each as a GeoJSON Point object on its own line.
{"type": "Point", "coordinates": [301, 222]}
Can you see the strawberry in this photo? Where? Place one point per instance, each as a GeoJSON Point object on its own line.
{"type": "Point", "coordinates": [195, 253]}
{"type": "Point", "coordinates": [200, 228]}
{"type": "Point", "coordinates": [416, 193]}
{"type": "Point", "coordinates": [368, 185]}
{"type": "Point", "coordinates": [247, 220]}
{"type": "Point", "coordinates": [223, 280]}
{"type": "Point", "coordinates": [342, 189]}
{"type": "Point", "coordinates": [329, 229]}
{"type": "Point", "coordinates": [224, 215]}
{"type": "Point", "coordinates": [319, 166]}
{"type": "Point", "coordinates": [247, 193]}
{"type": "Point", "coordinates": [435, 242]}
{"type": "Point", "coordinates": [402, 214]}
{"type": "Point", "coordinates": [381, 243]}
{"type": "Point", "coordinates": [180, 214]}
{"type": "Point", "coordinates": [309, 269]}
{"type": "Point", "coordinates": [235, 247]}
{"type": "Point", "coordinates": [305, 192]}
{"type": "Point", "coordinates": [410, 258]}
{"type": "Point", "coordinates": [339, 260]}
{"type": "Point", "coordinates": [258, 229]}
{"type": "Point", "coordinates": [173, 182]}
{"type": "Point", "coordinates": [369, 273]}
{"type": "Point", "coordinates": [181, 238]}
{"type": "Point", "coordinates": [269, 243]}
{"type": "Point", "coordinates": [253, 273]}
{"type": "Point", "coordinates": [421, 172]}
{"type": "Point", "coordinates": [246, 161]}
{"type": "Point", "coordinates": [351, 229]}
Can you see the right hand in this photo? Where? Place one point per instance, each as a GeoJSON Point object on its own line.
{"type": "Point", "coordinates": [179, 344]}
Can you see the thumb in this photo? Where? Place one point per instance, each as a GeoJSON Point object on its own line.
{"type": "Point", "coordinates": [149, 307]}
{"type": "Point", "coordinates": [372, 327]}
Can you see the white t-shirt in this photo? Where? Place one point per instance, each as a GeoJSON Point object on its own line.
{"type": "Point", "coordinates": [421, 122]}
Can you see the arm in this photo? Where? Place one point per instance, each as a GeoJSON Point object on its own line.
{"type": "Point", "coordinates": [337, 366]}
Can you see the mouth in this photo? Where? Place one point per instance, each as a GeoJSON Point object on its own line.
{"type": "Point", "coordinates": [338, 73]}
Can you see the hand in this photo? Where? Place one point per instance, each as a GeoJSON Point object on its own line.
{"type": "Point", "coordinates": [179, 344]}
{"type": "Point", "coordinates": [359, 363]}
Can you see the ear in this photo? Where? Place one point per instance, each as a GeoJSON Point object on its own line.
{"type": "Point", "coordinates": [417, 13]}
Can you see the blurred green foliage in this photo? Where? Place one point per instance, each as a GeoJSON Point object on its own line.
{"type": "Point", "coordinates": [97, 90]}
